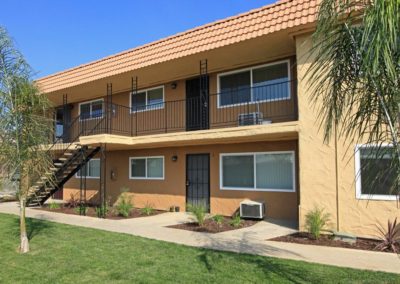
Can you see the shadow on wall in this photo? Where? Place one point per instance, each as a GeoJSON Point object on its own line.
{"type": "Point", "coordinates": [72, 196]}
{"type": "Point", "coordinates": [94, 199]}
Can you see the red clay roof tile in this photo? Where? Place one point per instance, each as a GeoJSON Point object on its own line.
{"type": "Point", "coordinates": [265, 20]}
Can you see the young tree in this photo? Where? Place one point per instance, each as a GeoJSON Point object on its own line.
{"type": "Point", "coordinates": [356, 76]}
{"type": "Point", "coordinates": [25, 125]}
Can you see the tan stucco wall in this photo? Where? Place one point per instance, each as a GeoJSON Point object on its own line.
{"type": "Point", "coordinates": [173, 115]}
{"type": "Point", "coordinates": [172, 190]}
{"type": "Point", "coordinates": [317, 168]}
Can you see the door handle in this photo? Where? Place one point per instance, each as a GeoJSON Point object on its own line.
{"type": "Point", "coordinates": [187, 182]}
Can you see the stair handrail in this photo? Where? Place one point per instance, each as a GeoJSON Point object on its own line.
{"type": "Point", "coordinates": [74, 123]}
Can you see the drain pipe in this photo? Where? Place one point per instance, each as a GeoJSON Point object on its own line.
{"type": "Point", "coordinates": [337, 179]}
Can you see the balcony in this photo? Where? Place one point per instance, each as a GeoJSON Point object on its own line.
{"type": "Point", "coordinates": [259, 105]}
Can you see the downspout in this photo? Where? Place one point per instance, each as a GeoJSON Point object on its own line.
{"type": "Point", "coordinates": [337, 180]}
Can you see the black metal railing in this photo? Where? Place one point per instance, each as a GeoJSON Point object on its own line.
{"type": "Point", "coordinates": [235, 107]}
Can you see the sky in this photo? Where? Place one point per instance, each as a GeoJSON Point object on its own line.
{"type": "Point", "coordinates": [55, 35]}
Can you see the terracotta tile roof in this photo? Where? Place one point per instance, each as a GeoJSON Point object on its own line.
{"type": "Point", "coordinates": [281, 15]}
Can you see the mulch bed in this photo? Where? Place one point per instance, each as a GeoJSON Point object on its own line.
{"type": "Point", "coordinates": [327, 240]}
{"type": "Point", "coordinates": [212, 227]}
{"type": "Point", "coordinates": [112, 214]}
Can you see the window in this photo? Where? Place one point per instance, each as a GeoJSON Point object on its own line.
{"type": "Point", "coordinates": [375, 178]}
{"type": "Point", "coordinates": [93, 109]}
{"type": "Point", "coordinates": [146, 168]}
{"type": "Point", "coordinates": [92, 168]}
{"type": "Point", "coordinates": [271, 171]}
{"type": "Point", "coordinates": [147, 99]}
{"type": "Point", "coordinates": [258, 84]}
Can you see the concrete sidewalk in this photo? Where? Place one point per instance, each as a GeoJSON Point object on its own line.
{"type": "Point", "coordinates": [247, 240]}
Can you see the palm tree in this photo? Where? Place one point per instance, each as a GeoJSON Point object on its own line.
{"type": "Point", "coordinates": [356, 74]}
{"type": "Point", "coordinates": [25, 125]}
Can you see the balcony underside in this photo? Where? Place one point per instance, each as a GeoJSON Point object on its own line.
{"type": "Point", "coordinates": [271, 132]}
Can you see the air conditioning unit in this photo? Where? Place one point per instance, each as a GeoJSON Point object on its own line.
{"type": "Point", "coordinates": [250, 118]}
{"type": "Point", "coordinates": [252, 209]}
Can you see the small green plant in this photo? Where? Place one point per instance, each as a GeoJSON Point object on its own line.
{"type": "Point", "coordinates": [390, 237]}
{"type": "Point", "coordinates": [54, 205]}
{"type": "Point", "coordinates": [198, 212]}
{"type": "Point", "coordinates": [81, 209]}
{"type": "Point", "coordinates": [316, 221]}
{"type": "Point", "coordinates": [147, 210]}
{"type": "Point", "coordinates": [236, 221]}
{"type": "Point", "coordinates": [218, 219]}
{"type": "Point", "coordinates": [102, 211]}
{"type": "Point", "coordinates": [124, 205]}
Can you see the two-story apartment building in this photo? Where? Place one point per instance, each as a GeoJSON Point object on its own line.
{"type": "Point", "coordinates": [213, 115]}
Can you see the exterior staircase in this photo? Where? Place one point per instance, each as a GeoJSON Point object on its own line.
{"type": "Point", "coordinates": [69, 162]}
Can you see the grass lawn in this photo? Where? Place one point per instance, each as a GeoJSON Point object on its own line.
{"type": "Point", "coordinates": [68, 254]}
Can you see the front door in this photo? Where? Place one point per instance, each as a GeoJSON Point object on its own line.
{"type": "Point", "coordinates": [196, 106]}
{"type": "Point", "coordinates": [198, 180]}
{"type": "Point", "coordinates": [62, 123]}
{"type": "Point", "coordinates": [59, 131]}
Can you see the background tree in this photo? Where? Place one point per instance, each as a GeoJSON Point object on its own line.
{"type": "Point", "coordinates": [25, 125]}
{"type": "Point", "coordinates": [356, 76]}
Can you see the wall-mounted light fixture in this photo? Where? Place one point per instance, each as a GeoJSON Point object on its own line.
{"type": "Point", "coordinates": [113, 174]}
{"type": "Point", "coordinates": [174, 158]}
{"type": "Point", "coordinates": [174, 85]}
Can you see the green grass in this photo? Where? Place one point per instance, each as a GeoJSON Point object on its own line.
{"type": "Point", "coordinates": [68, 254]}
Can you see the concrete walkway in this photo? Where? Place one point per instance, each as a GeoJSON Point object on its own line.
{"type": "Point", "coordinates": [247, 240]}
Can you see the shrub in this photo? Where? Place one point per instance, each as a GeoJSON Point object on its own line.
{"type": "Point", "coordinates": [236, 221]}
{"type": "Point", "coordinates": [72, 202]}
{"type": "Point", "coordinates": [82, 209]}
{"type": "Point", "coordinates": [218, 219]}
{"type": "Point", "coordinates": [102, 211]}
{"type": "Point", "coordinates": [316, 221]}
{"type": "Point", "coordinates": [147, 210]}
{"type": "Point", "coordinates": [390, 238]}
{"type": "Point", "coordinates": [54, 205]}
{"type": "Point", "coordinates": [124, 205]}
{"type": "Point", "coordinates": [198, 212]}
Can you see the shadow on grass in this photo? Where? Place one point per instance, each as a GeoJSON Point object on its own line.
{"type": "Point", "coordinates": [33, 227]}
{"type": "Point", "coordinates": [248, 253]}
{"type": "Point", "coordinates": [271, 269]}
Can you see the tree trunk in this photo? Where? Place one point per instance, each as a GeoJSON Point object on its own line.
{"type": "Point", "coordinates": [24, 247]}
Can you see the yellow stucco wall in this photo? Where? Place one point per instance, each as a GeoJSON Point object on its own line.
{"type": "Point", "coordinates": [317, 168]}
{"type": "Point", "coordinates": [171, 191]}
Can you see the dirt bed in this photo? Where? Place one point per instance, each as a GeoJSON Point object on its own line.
{"type": "Point", "coordinates": [327, 240]}
{"type": "Point", "coordinates": [112, 214]}
{"type": "Point", "coordinates": [210, 226]}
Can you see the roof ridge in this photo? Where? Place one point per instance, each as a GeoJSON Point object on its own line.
{"type": "Point", "coordinates": [177, 35]}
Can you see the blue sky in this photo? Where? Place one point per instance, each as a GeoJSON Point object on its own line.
{"type": "Point", "coordinates": [55, 35]}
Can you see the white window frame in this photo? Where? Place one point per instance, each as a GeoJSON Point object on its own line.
{"type": "Point", "coordinates": [222, 187]}
{"type": "Point", "coordinates": [359, 194]}
{"type": "Point", "coordinates": [146, 177]}
{"type": "Point", "coordinates": [87, 166]}
{"type": "Point", "coordinates": [150, 108]}
{"type": "Point", "coordinates": [287, 61]}
{"type": "Point", "coordinates": [90, 102]}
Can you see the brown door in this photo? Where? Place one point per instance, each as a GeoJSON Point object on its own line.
{"type": "Point", "coordinates": [197, 113]}
{"type": "Point", "coordinates": [58, 194]}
